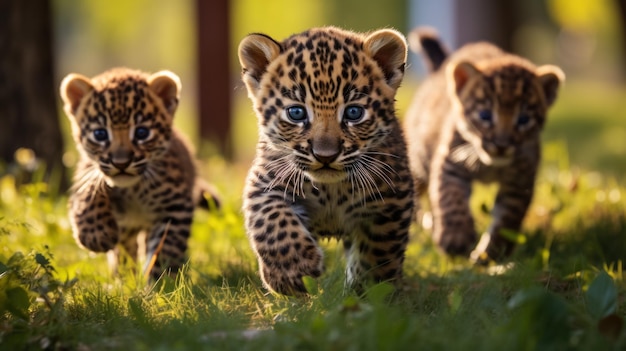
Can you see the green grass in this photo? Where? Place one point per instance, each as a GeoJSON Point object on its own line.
{"type": "Point", "coordinates": [563, 289]}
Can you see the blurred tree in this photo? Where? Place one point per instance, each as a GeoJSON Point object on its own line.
{"type": "Point", "coordinates": [621, 6]}
{"type": "Point", "coordinates": [491, 20]}
{"type": "Point", "coordinates": [28, 110]}
{"type": "Point", "coordinates": [214, 73]}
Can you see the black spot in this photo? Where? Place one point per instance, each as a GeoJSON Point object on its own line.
{"type": "Point", "coordinates": [284, 250]}
{"type": "Point", "coordinates": [274, 215]}
{"type": "Point", "coordinates": [270, 228]}
{"type": "Point", "coordinates": [281, 236]}
{"type": "Point", "coordinates": [259, 223]}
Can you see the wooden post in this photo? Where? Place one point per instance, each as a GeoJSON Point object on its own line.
{"type": "Point", "coordinates": [214, 73]}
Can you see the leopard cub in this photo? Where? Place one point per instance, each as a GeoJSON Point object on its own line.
{"type": "Point", "coordinates": [331, 159]}
{"type": "Point", "coordinates": [477, 117]}
{"type": "Point", "coordinates": [136, 173]}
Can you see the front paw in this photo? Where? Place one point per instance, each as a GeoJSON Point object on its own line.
{"type": "Point", "coordinates": [97, 238]}
{"type": "Point", "coordinates": [282, 270]}
{"type": "Point", "coordinates": [94, 241]}
{"type": "Point", "coordinates": [457, 243]}
{"type": "Point", "coordinates": [492, 247]}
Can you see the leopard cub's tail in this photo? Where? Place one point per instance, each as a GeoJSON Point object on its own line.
{"type": "Point", "coordinates": [206, 195]}
{"type": "Point", "coordinates": [425, 41]}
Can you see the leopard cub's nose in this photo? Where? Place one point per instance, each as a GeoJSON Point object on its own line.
{"type": "Point", "coordinates": [326, 150]}
{"type": "Point", "coordinates": [121, 160]}
{"type": "Point", "coordinates": [326, 158]}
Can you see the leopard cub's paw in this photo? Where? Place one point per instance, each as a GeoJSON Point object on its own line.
{"type": "Point", "coordinates": [284, 271]}
{"type": "Point", "coordinates": [457, 243]}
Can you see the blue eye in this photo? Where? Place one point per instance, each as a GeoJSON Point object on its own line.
{"type": "Point", "coordinates": [101, 134]}
{"type": "Point", "coordinates": [353, 113]}
{"type": "Point", "coordinates": [485, 115]}
{"type": "Point", "coordinates": [297, 114]}
{"type": "Point", "coordinates": [523, 119]}
{"type": "Point", "coordinates": [142, 133]}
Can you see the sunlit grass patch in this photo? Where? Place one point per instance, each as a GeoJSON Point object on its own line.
{"type": "Point", "coordinates": [565, 277]}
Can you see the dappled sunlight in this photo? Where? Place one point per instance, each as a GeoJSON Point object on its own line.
{"type": "Point", "coordinates": [562, 288]}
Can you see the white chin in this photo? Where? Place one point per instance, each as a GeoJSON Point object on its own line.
{"type": "Point", "coordinates": [122, 181]}
{"type": "Point", "coordinates": [326, 176]}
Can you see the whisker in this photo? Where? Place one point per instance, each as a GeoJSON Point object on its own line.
{"type": "Point", "coordinates": [372, 182]}
{"type": "Point", "coordinates": [287, 173]}
{"type": "Point", "coordinates": [361, 184]}
{"type": "Point", "coordinates": [368, 152]}
{"type": "Point", "coordinates": [90, 179]}
{"type": "Point", "coordinates": [368, 182]}
{"type": "Point", "coordinates": [377, 171]}
{"type": "Point", "coordinates": [380, 163]}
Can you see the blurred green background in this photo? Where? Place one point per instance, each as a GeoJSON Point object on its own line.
{"type": "Point", "coordinates": [585, 38]}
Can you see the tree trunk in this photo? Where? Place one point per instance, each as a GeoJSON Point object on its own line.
{"type": "Point", "coordinates": [490, 20]}
{"type": "Point", "coordinates": [621, 12]}
{"type": "Point", "coordinates": [214, 73]}
{"type": "Point", "coordinates": [28, 111]}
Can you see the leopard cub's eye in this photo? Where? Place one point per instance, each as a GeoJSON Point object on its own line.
{"type": "Point", "coordinates": [485, 115]}
{"type": "Point", "coordinates": [101, 134]}
{"type": "Point", "coordinates": [353, 113]}
{"type": "Point", "coordinates": [297, 114]}
{"type": "Point", "coordinates": [142, 133]}
{"type": "Point", "coordinates": [523, 119]}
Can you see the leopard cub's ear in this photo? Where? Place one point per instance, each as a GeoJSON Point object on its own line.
{"type": "Point", "coordinates": [256, 51]}
{"type": "Point", "coordinates": [166, 85]}
{"type": "Point", "coordinates": [389, 49]}
{"type": "Point", "coordinates": [550, 78]}
{"type": "Point", "coordinates": [73, 89]}
{"type": "Point", "coordinates": [459, 73]}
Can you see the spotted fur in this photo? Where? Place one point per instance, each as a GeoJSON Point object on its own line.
{"type": "Point", "coordinates": [331, 157]}
{"type": "Point", "coordinates": [136, 173]}
{"type": "Point", "coordinates": [477, 117]}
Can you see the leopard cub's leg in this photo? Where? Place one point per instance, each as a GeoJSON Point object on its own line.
{"type": "Point", "coordinates": [93, 224]}
{"type": "Point", "coordinates": [166, 243]}
{"type": "Point", "coordinates": [376, 251]}
{"type": "Point", "coordinates": [453, 224]}
{"type": "Point", "coordinates": [285, 248]}
{"type": "Point", "coordinates": [126, 253]}
{"type": "Point", "coordinates": [512, 202]}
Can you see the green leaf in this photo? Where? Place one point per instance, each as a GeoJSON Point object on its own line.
{"type": "Point", "coordinates": [455, 299]}
{"type": "Point", "coordinates": [18, 302]}
{"type": "Point", "coordinates": [310, 284]}
{"type": "Point", "coordinates": [379, 292]}
{"type": "Point", "coordinates": [3, 268]}
{"type": "Point", "coordinates": [513, 236]}
{"type": "Point", "coordinates": [539, 321]}
{"type": "Point", "coordinates": [602, 296]}
{"type": "Point", "coordinates": [42, 260]}
{"type": "Point", "coordinates": [136, 308]}
{"type": "Point", "coordinates": [350, 303]}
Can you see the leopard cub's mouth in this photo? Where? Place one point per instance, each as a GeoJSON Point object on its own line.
{"type": "Point", "coordinates": [327, 174]}
{"type": "Point", "coordinates": [122, 180]}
